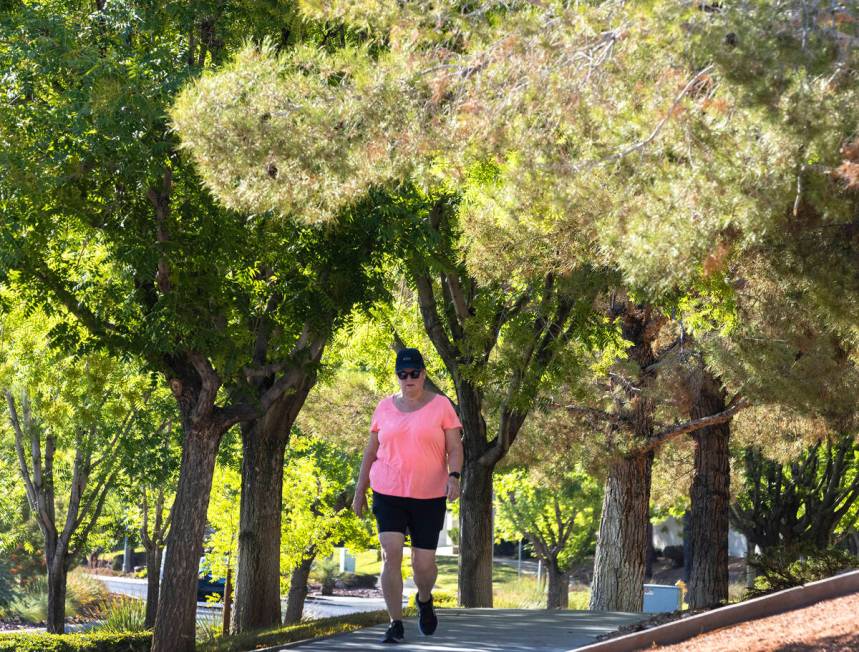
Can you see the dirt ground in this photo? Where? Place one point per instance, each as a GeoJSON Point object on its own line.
{"type": "Point", "coordinates": [832, 625]}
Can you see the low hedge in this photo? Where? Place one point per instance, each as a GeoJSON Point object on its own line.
{"type": "Point", "coordinates": [84, 642]}
{"type": "Point", "coordinates": [440, 599]}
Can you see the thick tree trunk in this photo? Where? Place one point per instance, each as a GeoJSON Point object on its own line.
{"type": "Point", "coordinates": [708, 531]}
{"type": "Point", "coordinates": [687, 546]}
{"type": "Point", "coordinates": [559, 586]}
{"type": "Point", "coordinates": [475, 505]}
{"type": "Point", "coordinates": [264, 442]}
{"type": "Point", "coordinates": [153, 584]}
{"type": "Point", "coordinates": [258, 575]}
{"type": "Point", "coordinates": [297, 592]}
{"type": "Point", "coordinates": [622, 542]}
{"type": "Point", "coordinates": [476, 537]}
{"type": "Point", "coordinates": [175, 622]}
{"type": "Point", "coordinates": [56, 594]}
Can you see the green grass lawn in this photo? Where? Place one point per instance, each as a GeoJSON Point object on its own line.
{"type": "Point", "coordinates": [368, 562]}
{"type": "Point", "coordinates": [509, 590]}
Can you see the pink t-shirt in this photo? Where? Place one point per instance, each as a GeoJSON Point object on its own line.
{"type": "Point", "coordinates": [412, 458]}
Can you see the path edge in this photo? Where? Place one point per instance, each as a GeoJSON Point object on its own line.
{"type": "Point", "coordinates": [768, 605]}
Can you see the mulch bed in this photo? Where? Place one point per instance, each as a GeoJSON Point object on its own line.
{"type": "Point", "coordinates": [829, 626]}
{"type": "Point", "coordinates": [11, 624]}
{"type": "Point", "coordinates": [349, 593]}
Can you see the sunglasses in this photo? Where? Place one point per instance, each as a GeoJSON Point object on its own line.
{"type": "Point", "coordinates": [414, 373]}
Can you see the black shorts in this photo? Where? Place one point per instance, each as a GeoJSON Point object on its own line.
{"type": "Point", "coordinates": [421, 518]}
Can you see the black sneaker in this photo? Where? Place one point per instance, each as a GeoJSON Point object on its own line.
{"type": "Point", "coordinates": [427, 621]}
{"type": "Point", "coordinates": [395, 632]}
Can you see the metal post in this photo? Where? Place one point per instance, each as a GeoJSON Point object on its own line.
{"type": "Point", "coordinates": [519, 565]}
{"type": "Point", "coordinates": [127, 552]}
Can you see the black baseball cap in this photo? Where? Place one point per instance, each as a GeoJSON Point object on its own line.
{"type": "Point", "coordinates": [409, 359]}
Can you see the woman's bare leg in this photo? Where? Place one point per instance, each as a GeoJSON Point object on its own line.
{"type": "Point", "coordinates": [392, 572]}
{"type": "Point", "coordinates": [426, 571]}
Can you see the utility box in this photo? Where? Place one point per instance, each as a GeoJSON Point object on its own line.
{"type": "Point", "coordinates": [661, 598]}
{"type": "Point", "coordinates": [347, 561]}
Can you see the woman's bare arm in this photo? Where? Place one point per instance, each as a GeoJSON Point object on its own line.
{"type": "Point", "coordinates": [359, 504]}
{"type": "Point", "coordinates": [453, 445]}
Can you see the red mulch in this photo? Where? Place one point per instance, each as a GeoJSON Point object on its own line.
{"type": "Point", "coordinates": [831, 626]}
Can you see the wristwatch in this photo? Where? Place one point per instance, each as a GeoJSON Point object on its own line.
{"type": "Point", "coordinates": [454, 474]}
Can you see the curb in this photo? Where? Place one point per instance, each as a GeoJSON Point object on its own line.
{"type": "Point", "coordinates": [293, 644]}
{"type": "Point", "coordinates": [768, 605]}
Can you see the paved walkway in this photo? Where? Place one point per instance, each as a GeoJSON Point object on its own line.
{"type": "Point", "coordinates": [487, 630]}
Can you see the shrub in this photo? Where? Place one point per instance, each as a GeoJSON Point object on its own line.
{"type": "Point", "coordinates": [357, 580]}
{"type": "Point", "coordinates": [31, 604]}
{"type": "Point", "coordinates": [441, 599]}
{"type": "Point", "coordinates": [124, 614]}
{"type": "Point", "coordinates": [209, 630]}
{"type": "Point", "coordinates": [8, 587]}
{"type": "Point", "coordinates": [88, 642]}
{"type": "Point", "coordinates": [87, 595]}
{"type": "Point", "coordinates": [784, 567]}
{"type": "Point", "coordinates": [325, 572]}
{"type": "Point", "coordinates": [675, 554]}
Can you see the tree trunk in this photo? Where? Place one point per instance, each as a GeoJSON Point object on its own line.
{"type": "Point", "coordinates": [56, 593]}
{"type": "Point", "coordinates": [228, 602]}
{"type": "Point", "coordinates": [708, 531]}
{"type": "Point", "coordinates": [475, 505]}
{"type": "Point", "coordinates": [264, 442]}
{"type": "Point", "coordinates": [687, 546]}
{"type": "Point", "coordinates": [476, 537]}
{"type": "Point", "coordinates": [297, 591]}
{"type": "Point", "coordinates": [559, 586]}
{"type": "Point", "coordinates": [153, 583]}
{"type": "Point", "coordinates": [175, 621]}
{"type": "Point", "coordinates": [618, 583]}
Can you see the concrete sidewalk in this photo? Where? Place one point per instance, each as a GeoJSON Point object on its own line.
{"type": "Point", "coordinates": [487, 630]}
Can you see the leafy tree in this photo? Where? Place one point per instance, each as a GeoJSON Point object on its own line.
{"type": "Point", "coordinates": [557, 512]}
{"type": "Point", "coordinates": [318, 492]}
{"type": "Point", "coordinates": [223, 516]}
{"type": "Point", "coordinates": [67, 416]}
{"type": "Point", "coordinates": [151, 479]}
{"type": "Point", "coordinates": [807, 501]}
{"type": "Point", "coordinates": [460, 104]}
{"type": "Point", "coordinates": [234, 313]}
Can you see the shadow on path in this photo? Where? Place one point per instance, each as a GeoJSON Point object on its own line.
{"type": "Point", "coordinates": [488, 630]}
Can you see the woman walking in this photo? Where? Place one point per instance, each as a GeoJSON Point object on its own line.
{"type": "Point", "coordinates": [412, 463]}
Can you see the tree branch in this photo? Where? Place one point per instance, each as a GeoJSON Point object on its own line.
{"type": "Point", "coordinates": [600, 415]}
{"type": "Point", "coordinates": [22, 460]}
{"type": "Point", "coordinates": [80, 478]}
{"type": "Point", "coordinates": [668, 434]}
{"type": "Point", "coordinates": [433, 325]}
{"type": "Point", "coordinates": [210, 383]}
{"type": "Point", "coordinates": [586, 165]}
{"type": "Point", "coordinates": [457, 298]}
{"type": "Point", "coordinates": [99, 327]}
